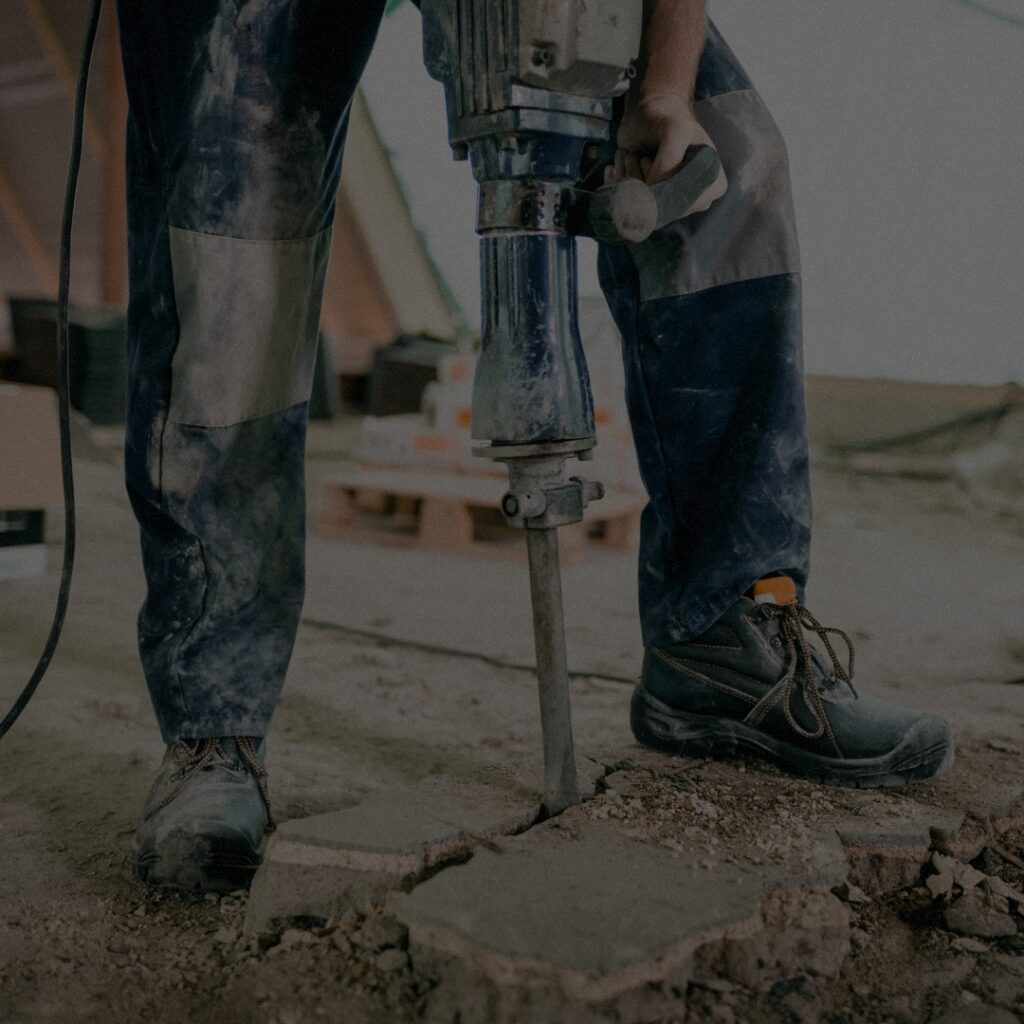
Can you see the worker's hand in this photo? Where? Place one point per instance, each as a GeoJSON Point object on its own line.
{"type": "Point", "coordinates": [655, 133]}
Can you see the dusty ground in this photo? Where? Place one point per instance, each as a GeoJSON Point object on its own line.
{"type": "Point", "coordinates": [928, 583]}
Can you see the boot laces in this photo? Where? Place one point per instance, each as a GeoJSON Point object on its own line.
{"type": "Point", "coordinates": [796, 622]}
{"type": "Point", "coordinates": [195, 756]}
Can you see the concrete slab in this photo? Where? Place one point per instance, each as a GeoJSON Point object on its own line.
{"type": "Point", "coordinates": [323, 864]}
{"type": "Point", "coordinates": [591, 927]}
{"type": "Point", "coordinates": [555, 929]}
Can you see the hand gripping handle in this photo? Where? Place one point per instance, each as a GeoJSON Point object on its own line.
{"type": "Point", "coordinates": [629, 210]}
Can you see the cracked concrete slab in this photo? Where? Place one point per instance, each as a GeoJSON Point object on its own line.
{"type": "Point", "coordinates": [546, 928]}
{"type": "Point", "coordinates": [322, 864]}
{"type": "Point", "coordinates": [673, 871]}
{"type": "Point", "coordinates": [582, 923]}
{"type": "Point", "coordinates": [611, 910]}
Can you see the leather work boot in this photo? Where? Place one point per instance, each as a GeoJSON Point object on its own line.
{"type": "Point", "coordinates": [754, 684]}
{"type": "Point", "coordinates": [204, 822]}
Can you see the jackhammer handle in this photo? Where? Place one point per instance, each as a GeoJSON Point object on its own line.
{"type": "Point", "coordinates": [630, 210]}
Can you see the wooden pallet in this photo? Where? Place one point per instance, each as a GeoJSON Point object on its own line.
{"type": "Point", "coordinates": [457, 512]}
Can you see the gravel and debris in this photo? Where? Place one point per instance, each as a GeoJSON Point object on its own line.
{"type": "Point", "coordinates": [952, 940]}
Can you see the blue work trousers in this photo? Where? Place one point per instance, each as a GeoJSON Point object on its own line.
{"type": "Point", "coordinates": [238, 112]}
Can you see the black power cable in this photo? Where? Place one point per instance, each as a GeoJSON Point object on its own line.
{"type": "Point", "coordinates": [63, 374]}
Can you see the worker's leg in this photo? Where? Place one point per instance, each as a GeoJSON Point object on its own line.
{"type": "Point", "coordinates": [710, 315]}
{"type": "Point", "coordinates": [709, 310]}
{"type": "Point", "coordinates": [238, 116]}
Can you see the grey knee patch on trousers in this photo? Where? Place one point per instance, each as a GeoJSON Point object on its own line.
{"type": "Point", "coordinates": [248, 314]}
{"type": "Point", "coordinates": [751, 231]}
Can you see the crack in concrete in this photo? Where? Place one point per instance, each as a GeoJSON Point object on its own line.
{"type": "Point", "coordinates": [395, 841]}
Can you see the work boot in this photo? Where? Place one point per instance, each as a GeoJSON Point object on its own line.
{"type": "Point", "coordinates": [206, 816]}
{"type": "Point", "coordinates": [754, 684]}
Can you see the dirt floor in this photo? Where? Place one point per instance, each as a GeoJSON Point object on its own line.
{"type": "Point", "coordinates": [927, 582]}
{"type": "Point", "coordinates": [81, 941]}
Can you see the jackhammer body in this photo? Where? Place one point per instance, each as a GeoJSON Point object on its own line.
{"type": "Point", "coordinates": [529, 86]}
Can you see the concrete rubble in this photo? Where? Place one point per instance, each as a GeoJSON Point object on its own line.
{"type": "Point", "coordinates": [611, 910]}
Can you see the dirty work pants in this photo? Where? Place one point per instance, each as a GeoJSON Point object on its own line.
{"type": "Point", "coordinates": [238, 111]}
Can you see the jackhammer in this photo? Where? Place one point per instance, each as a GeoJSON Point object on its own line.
{"type": "Point", "coordinates": [529, 88]}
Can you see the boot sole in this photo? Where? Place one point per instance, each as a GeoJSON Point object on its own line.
{"type": "Point", "coordinates": [663, 728]}
{"type": "Point", "coordinates": [192, 864]}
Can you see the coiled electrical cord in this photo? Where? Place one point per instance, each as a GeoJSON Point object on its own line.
{"type": "Point", "coordinates": [63, 375]}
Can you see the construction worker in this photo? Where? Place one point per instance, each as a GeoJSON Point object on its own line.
{"type": "Point", "coordinates": [238, 110]}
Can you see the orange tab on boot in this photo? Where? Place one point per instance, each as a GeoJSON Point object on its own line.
{"type": "Point", "coordinates": [775, 590]}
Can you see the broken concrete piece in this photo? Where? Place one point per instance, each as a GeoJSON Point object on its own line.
{"type": "Point", "coordinates": [852, 894]}
{"type": "Point", "coordinates": [964, 875]}
{"type": "Point", "coordinates": [997, 887]}
{"type": "Point", "coordinates": [803, 931]}
{"type": "Point", "coordinates": [951, 873]}
{"type": "Point", "coordinates": [953, 876]}
{"type": "Point", "coordinates": [940, 884]}
{"type": "Point", "coordinates": [969, 915]}
{"type": "Point", "coordinates": [602, 927]}
{"type": "Point", "coordinates": [326, 863]}
{"type": "Point", "coordinates": [965, 944]}
{"type": "Point", "coordinates": [887, 854]}
{"type": "Point", "coordinates": [557, 929]}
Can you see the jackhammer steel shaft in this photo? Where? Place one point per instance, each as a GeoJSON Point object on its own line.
{"type": "Point", "coordinates": [561, 789]}
{"type": "Point", "coordinates": [529, 89]}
